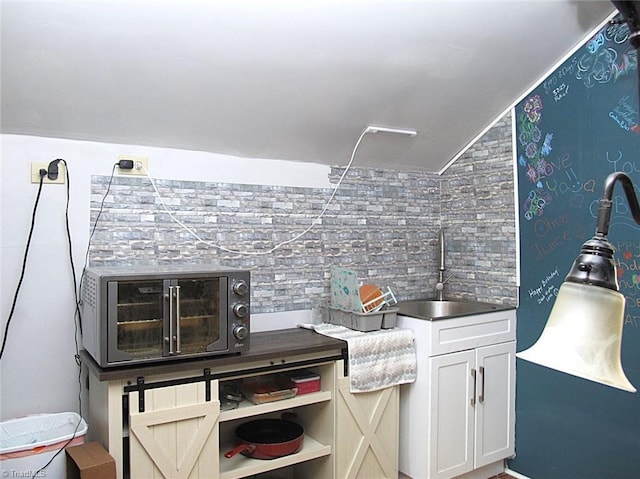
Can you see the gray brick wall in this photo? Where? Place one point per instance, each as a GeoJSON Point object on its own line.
{"type": "Point", "coordinates": [382, 223]}
{"type": "Point", "coordinates": [478, 214]}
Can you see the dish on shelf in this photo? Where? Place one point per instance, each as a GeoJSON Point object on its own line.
{"type": "Point", "coordinates": [305, 380]}
{"type": "Point", "coordinates": [263, 389]}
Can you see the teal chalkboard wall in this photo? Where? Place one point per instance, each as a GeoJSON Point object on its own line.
{"type": "Point", "coordinates": [580, 124]}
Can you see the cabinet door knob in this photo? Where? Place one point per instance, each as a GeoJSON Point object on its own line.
{"type": "Point", "coordinates": [481, 397]}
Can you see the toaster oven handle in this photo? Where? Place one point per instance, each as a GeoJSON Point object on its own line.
{"type": "Point", "coordinates": [171, 350]}
{"type": "Point", "coordinates": [177, 300]}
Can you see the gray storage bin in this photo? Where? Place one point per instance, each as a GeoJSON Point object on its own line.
{"type": "Point", "coordinates": [389, 318]}
{"type": "Point", "coordinates": [364, 321]}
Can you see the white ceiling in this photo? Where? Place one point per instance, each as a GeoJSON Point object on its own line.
{"type": "Point", "coordinates": [294, 80]}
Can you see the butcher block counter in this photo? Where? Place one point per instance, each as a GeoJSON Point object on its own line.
{"type": "Point", "coordinates": [165, 419]}
{"type": "Point", "coordinates": [267, 350]}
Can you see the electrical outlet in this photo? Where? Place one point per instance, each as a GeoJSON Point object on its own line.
{"type": "Point", "coordinates": [140, 165]}
{"type": "Point", "coordinates": [35, 174]}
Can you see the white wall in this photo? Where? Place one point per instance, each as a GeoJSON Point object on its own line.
{"type": "Point", "coordinates": [38, 372]}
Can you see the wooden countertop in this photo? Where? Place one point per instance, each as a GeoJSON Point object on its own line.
{"type": "Point", "coordinates": [265, 346]}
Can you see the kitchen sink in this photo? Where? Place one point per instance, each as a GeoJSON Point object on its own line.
{"type": "Point", "coordinates": [432, 309]}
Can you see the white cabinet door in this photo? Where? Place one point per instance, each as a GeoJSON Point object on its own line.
{"type": "Point", "coordinates": [451, 407]}
{"type": "Point", "coordinates": [472, 409]}
{"type": "Point", "coordinates": [495, 407]}
{"type": "Point", "coordinates": [176, 436]}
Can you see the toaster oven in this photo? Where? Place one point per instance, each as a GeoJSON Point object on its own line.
{"type": "Point", "coordinates": [138, 315]}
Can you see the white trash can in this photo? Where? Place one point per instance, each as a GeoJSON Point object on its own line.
{"type": "Point", "coordinates": [28, 443]}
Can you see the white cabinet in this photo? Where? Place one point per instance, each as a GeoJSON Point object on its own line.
{"type": "Point", "coordinates": [458, 418]}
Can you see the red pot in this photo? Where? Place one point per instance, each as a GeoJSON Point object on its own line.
{"type": "Point", "coordinates": [268, 439]}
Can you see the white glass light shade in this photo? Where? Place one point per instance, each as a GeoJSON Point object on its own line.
{"type": "Point", "coordinates": [583, 335]}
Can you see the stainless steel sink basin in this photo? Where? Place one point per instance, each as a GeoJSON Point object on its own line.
{"type": "Point", "coordinates": [433, 309]}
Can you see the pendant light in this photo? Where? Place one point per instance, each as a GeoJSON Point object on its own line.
{"type": "Point", "coordinates": [583, 335]}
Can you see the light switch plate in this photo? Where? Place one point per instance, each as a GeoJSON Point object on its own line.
{"type": "Point", "coordinates": [140, 165]}
{"type": "Point", "coordinates": [35, 173]}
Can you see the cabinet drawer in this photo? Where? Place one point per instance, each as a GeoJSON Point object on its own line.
{"type": "Point", "coordinates": [467, 332]}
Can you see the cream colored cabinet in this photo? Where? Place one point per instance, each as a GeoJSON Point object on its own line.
{"type": "Point", "coordinates": [177, 433]}
{"type": "Point", "coordinates": [166, 421]}
{"type": "Point", "coordinates": [366, 433]}
{"type": "Point", "coordinates": [458, 418]}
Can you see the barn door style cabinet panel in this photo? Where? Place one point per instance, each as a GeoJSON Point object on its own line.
{"type": "Point", "coordinates": [458, 418]}
{"type": "Point", "coordinates": [176, 434]}
{"type": "Point", "coordinates": [366, 432]}
{"type": "Point", "coordinates": [167, 421]}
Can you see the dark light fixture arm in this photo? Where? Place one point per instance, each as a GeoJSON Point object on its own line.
{"type": "Point", "coordinates": [606, 202]}
{"type": "Point", "coordinates": [595, 265]}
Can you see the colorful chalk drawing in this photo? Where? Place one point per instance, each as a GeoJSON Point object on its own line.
{"type": "Point", "coordinates": [535, 156]}
{"type": "Point", "coordinates": [602, 64]}
{"type": "Point", "coordinates": [534, 204]}
{"type": "Point", "coordinates": [539, 168]}
{"type": "Point", "coordinates": [617, 33]}
{"type": "Point", "coordinates": [625, 115]}
{"type": "Point", "coordinates": [554, 177]}
{"type": "Point", "coordinates": [628, 273]}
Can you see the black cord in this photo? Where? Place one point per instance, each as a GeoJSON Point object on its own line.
{"type": "Point", "coordinates": [77, 324]}
{"type": "Point", "coordinates": [73, 436]}
{"type": "Point", "coordinates": [24, 265]}
{"type": "Point", "coordinates": [77, 313]}
{"type": "Point", "coordinates": [95, 224]}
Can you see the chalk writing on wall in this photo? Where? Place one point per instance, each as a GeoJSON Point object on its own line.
{"type": "Point", "coordinates": [547, 288]}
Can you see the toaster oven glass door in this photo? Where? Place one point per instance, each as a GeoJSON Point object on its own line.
{"type": "Point", "coordinates": [200, 317]}
{"type": "Point", "coordinates": [138, 317]}
{"type": "Point", "coordinates": [166, 317]}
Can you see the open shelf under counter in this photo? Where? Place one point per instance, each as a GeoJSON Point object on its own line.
{"type": "Point", "coordinates": [241, 466]}
{"type": "Point", "coordinates": [248, 409]}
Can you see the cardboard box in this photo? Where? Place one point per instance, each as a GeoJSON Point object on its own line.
{"type": "Point", "coordinates": [90, 461]}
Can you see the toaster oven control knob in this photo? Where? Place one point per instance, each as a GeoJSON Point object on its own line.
{"type": "Point", "coordinates": [240, 288]}
{"type": "Point", "coordinates": [240, 310]}
{"type": "Point", "coordinates": [240, 332]}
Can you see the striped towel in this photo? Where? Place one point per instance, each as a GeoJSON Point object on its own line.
{"type": "Point", "coordinates": [377, 359]}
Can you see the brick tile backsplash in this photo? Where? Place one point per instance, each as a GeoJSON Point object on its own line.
{"type": "Point", "coordinates": [383, 224]}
